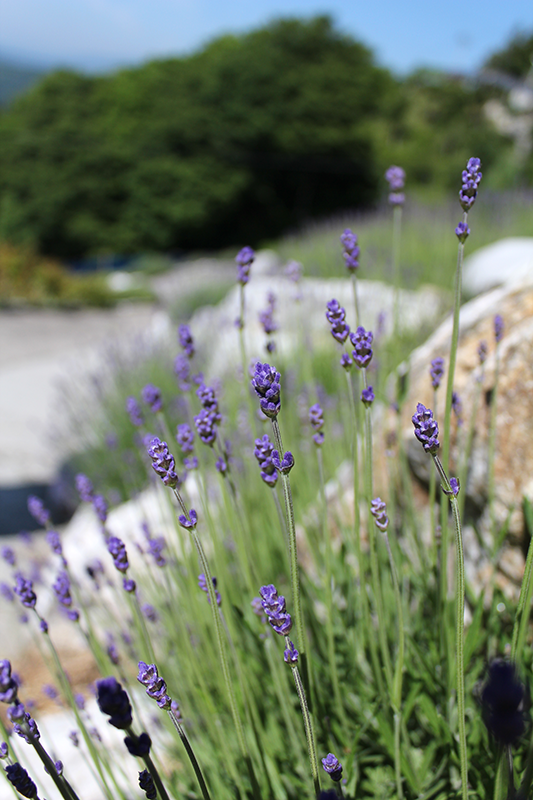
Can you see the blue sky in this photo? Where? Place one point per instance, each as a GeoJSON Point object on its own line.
{"type": "Point", "coordinates": [456, 35]}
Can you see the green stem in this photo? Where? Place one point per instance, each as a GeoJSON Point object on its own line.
{"type": "Point", "coordinates": [524, 601]}
{"type": "Point", "coordinates": [61, 783]}
{"type": "Point", "coordinates": [150, 766]}
{"type": "Point", "coordinates": [396, 241]}
{"type": "Point", "coordinates": [309, 735]}
{"type": "Point", "coordinates": [192, 758]}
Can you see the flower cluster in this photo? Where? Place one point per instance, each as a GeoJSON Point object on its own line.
{"type": "Point", "coordinates": [284, 463]}
{"type": "Point", "coordinates": [482, 351]}
{"type": "Point", "coordinates": [316, 421]}
{"type": "Point", "coordinates": [134, 412]}
{"type": "Point", "coordinates": [471, 178]}
{"type": "Point", "coordinates": [362, 344]}
{"type": "Point", "coordinates": [156, 545]}
{"type": "Point", "coordinates": [208, 419]}
{"type": "Point", "coordinates": [378, 509]}
{"type": "Point", "coordinates": [163, 462]}
{"type": "Point", "coordinates": [290, 654]}
{"type": "Point", "coordinates": [395, 177]}
{"type": "Point", "coordinates": [266, 382]}
{"type": "Point", "coordinates": [436, 371]}
{"type": "Point", "coordinates": [185, 340]}
{"type": "Point", "coordinates": [351, 250]}
{"type": "Point", "coordinates": [20, 780]}
{"type": "Point", "coordinates": [151, 395]}
{"type": "Point", "coordinates": [155, 686]}
{"type": "Point", "coordinates": [114, 701]}
{"type": "Point", "coordinates": [146, 783]}
{"type": "Point", "coordinates": [117, 549]}
{"type": "Point", "coordinates": [24, 590]}
{"type": "Point", "coordinates": [368, 396]}
{"type": "Point", "coordinates": [502, 701]}
{"type": "Point", "coordinates": [263, 452]}
{"type": "Point", "coordinates": [38, 510]}
{"type": "Point", "coordinates": [426, 429]}
{"type": "Point", "coordinates": [332, 766]}
{"type": "Point", "coordinates": [244, 260]}
{"type": "Point", "coordinates": [182, 371]}
{"type": "Point", "coordinates": [462, 232]}
{"type": "Point", "coordinates": [61, 587]}
{"type": "Point", "coordinates": [202, 583]}
{"type": "Point", "coordinates": [336, 316]}
{"type": "Point", "coordinates": [275, 609]}
{"type": "Point", "coordinates": [498, 328]}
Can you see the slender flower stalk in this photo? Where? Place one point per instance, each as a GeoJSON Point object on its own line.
{"type": "Point", "coordinates": [395, 176]}
{"type": "Point", "coordinates": [498, 335]}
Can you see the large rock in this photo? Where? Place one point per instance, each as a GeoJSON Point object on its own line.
{"type": "Point", "coordinates": [507, 261]}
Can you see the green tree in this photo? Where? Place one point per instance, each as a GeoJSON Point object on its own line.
{"type": "Point", "coordinates": [516, 58]}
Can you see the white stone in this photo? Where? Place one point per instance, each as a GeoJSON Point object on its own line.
{"type": "Point", "coordinates": [507, 261]}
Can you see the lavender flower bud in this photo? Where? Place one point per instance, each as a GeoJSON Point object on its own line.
{"type": "Point", "coordinates": [202, 583]}
{"type": "Point", "coordinates": [378, 509]}
{"type": "Point", "coordinates": [185, 438]}
{"type": "Point", "coordinates": [20, 779]}
{"type": "Point", "coordinates": [293, 271]}
{"type": "Point", "coordinates": [188, 523]}
{"type": "Point", "coordinates": [26, 728]}
{"type": "Point", "coordinates": [335, 315]}
{"type": "Point", "coordinates": [138, 745]}
{"type": "Point", "coordinates": [482, 351]}
{"type": "Point", "coordinates": [4, 750]}
{"type": "Point", "coordinates": [24, 590]}
{"type": "Point", "coordinates": [351, 250]}
{"type": "Point", "coordinates": [498, 328]}
{"type": "Point", "coordinates": [8, 685]}
{"type": "Point", "coordinates": [395, 177]}
{"type": "Point", "coordinates": [84, 487]}
{"type": "Point", "coordinates": [186, 341]}
{"type": "Point", "coordinates": [274, 607]}
{"type": "Point", "coordinates": [221, 465]}
{"type": "Point", "coordinates": [244, 261]}
{"type": "Point", "coordinates": [38, 511]}
{"type": "Point", "coordinates": [6, 592]}
{"type": "Point", "coordinates": [263, 453]}
{"type": "Point", "coordinates": [471, 178]}
{"type": "Point", "coordinates": [53, 540]}
{"type": "Point", "coordinates": [134, 411]}
{"type": "Point", "coordinates": [146, 783]}
{"type": "Point", "coordinates": [151, 395]}
{"type": "Point", "coordinates": [367, 396]}
{"type": "Point", "coordinates": [332, 766]}
{"type": "Point", "coordinates": [362, 343]}
{"type": "Point", "coordinates": [290, 654]}
{"type": "Point", "coordinates": [462, 232]}
{"type": "Point", "coordinates": [316, 420]}
{"type": "Point", "coordinates": [346, 362]}
{"type": "Point", "coordinates": [163, 462]}
{"type": "Point", "coordinates": [129, 585]}
{"type": "Point", "coordinates": [436, 371]}
{"type": "Point", "coordinates": [426, 429]}
{"type": "Point", "coordinates": [454, 486]}
{"type": "Point", "coordinates": [155, 686]}
{"type": "Point", "coordinates": [206, 426]}
{"type": "Point", "coordinates": [285, 464]}
{"type": "Point", "coordinates": [113, 701]}
{"type": "Point", "coordinates": [457, 407]}
{"type": "Point", "coordinates": [8, 554]}
{"type": "Point", "coordinates": [117, 549]}
{"type": "Point", "coordinates": [266, 382]}
{"type": "Point", "coordinates": [100, 506]}
{"type": "Point", "coordinates": [182, 371]}
{"type": "Point", "coordinates": [61, 588]}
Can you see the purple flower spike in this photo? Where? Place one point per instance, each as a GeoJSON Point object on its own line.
{"type": "Point", "coordinates": [244, 260]}
{"type": "Point", "coordinates": [290, 654]}
{"type": "Point", "coordinates": [426, 429]}
{"type": "Point", "coordinates": [285, 464]}
{"type": "Point", "coordinates": [4, 750]}
{"type": "Point", "coordinates": [336, 315]}
{"type": "Point", "coordinates": [182, 371]}
{"type": "Point", "coordinates": [316, 420]}
{"type": "Point", "coordinates": [263, 453]}
{"type": "Point", "coordinates": [206, 425]}
{"type": "Point", "coordinates": [163, 462]}
{"type": "Point", "coordinates": [117, 548]}
{"type": "Point", "coordinates": [146, 783]}
{"type": "Point", "coordinates": [471, 178]}
{"type": "Point", "coordinates": [53, 540]}
{"type": "Point", "coordinates": [436, 371]}
{"type": "Point", "coordinates": [395, 177]}
{"type": "Point", "coordinates": [138, 745]}
{"type": "Point", "coordinates": [38, 511]}
{"type": "Point", "coordinates": [100, 506]}
{"type": "Point", "coordinates": [462, 232]}
{"type": "Point", "coordinates": [24, 590]}
{"type": "Point", "coordinates": [156, 687]}
{"type": "Point", "coordinates": [454, 486]}
{"type": "Point", "coordinates": [114, 701]}
{"type": "Point", "coordinates": [498, 328]}
{"type": "Point", "coordinates": [185, 438]}
{"type": "Point", "coordinates": [186, 341]}
{"type": "Point", "coordinates": [61, 588]}
{"type": "Point", "coordinates": [482, 351]}
{"type": "Point", "coordinates": [151, 395]}
{"type": "Point", "coordinates": [274, 607]}
{"type": "Point", "coordinates": [8, 685]}
{"type": "Point", "coordinates": [8, 554]}
{"type": "Point", "coordinates": [266, 382]}
{"type": "Point", "coordinates": [129, 585]}
{"type": "Point", "coordinates": [188, 523]}
{"type": "Point", "coordinates": [351, 250]}
{"type": "Point", "coordinates": [202, 583]}
{"type": "Point", "coordinates": [368, 396]}
{"type": "Point", "coordinates": [332, 766]}
{"type": "Point", "coordinates": [502, 701]}
{"type": "Point", "coordinates": [20, 780]}
{"type": "Point", "coordinates": [221, 465]}
{"type": "Point", "coordinates": [134, 411]}
{"type": "Point", "coordinates": [378, 509]}
{"type": "Point", "coordinates": [84, 487]}
{"type": "Point", "coordinates": [346, 362]}
{"type": "Point", "coordinates": [362, 343]}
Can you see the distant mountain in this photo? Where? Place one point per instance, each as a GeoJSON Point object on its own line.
{"type": "Point", "coordinates": [16, 79]}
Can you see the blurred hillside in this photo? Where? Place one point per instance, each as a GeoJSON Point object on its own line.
{"type": "Point", "coordinates": [247, 138]}
{"type": "Point", "coordinates": [15, 80]}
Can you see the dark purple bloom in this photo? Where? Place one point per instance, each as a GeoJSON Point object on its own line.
{"type": "Point", "coordinates": [117, 548]}
{"type": "Point", "coordinates": [20, 779]}
{"type": "Point", "coordinates": [202, 583]}
{"type": "Point", "coordinates": [274, 607]}
{"type": "Point", "coordinates": [24, 590]}
{"type": "Point", "coordinates": [362, 343]}
{"type": "Point", "coordinates": [482, 351]}
{"type": "Point", "coordinates": [206, 425]}
{"type": "Point", "coordinates": [346, 361]}
{"type": "Point", "coordinates": [207, 397]}
{"type": "Point", "coordinates": [146, 783]}
{"type": "Point", "coordinates": [351, 250]}
{"type": "Point", "coordinates": [163, 462]}
{"type": "Point", "coordinates": [8, 685]}
{"type": "Point", "coordinates": [336, 315]}
{"type": "Point", "coordinates": [129, 585]}
{"type": "Point", "coordinates": [73, 736]}
{"type": "Point", "coordinates": [8, 554]}
{"type": "Point", "coordinates": [502, 701]}
{"type": "Point", "coordinates": [498, 328]}
{"type": "Point", "coordinates": [368, 396]}
{"type": "Point", "coordinates": [185, 438]}
{"type": "Point", "coordinates": [436, 371]}
{"type": "Point", "coordinates": [462, 232]}
{"type": "Point", "coordinates": [290, 654]}
{"type": "Point", "coordinates": [182, 371]}
{"type": "Point", "coordinates": [244, 261]}
{"type": "Point", "coordinates": [471, 178]}
{"type": "Point", "coordinates": [191, 522]}
{"type": "Point", "coordinates": [38, 511]}
{"type": "Point", "coordinates": [113, 701]}
{"type": "Point", "coordinates": [155, 686]}
{"type": "Point", "coordinates": [396, 198]}
{"type": "Point", "coordinates": [138, 745]}
{"type": "Point", "coordinates": [43, 625]}
{"type": "Point", "coordinates": [151, 395]}
{"type": "Point", "coordinates": [454, 486]}
{"type": "Point", "coordinates": [285, 464]}
{"type": "Point", "coordinates": [332, 766]}
{"type": "Point", "coordinates": [25, 727]}
{"type": "Point", "coordinates": [266, 382]}
{"type": "Point", "coordinates": [186, 341]}
{"type": "Point", "coordinates": [134, 411]}
{"type": "Point", "coordinates": [426, 429]}
{"type": "Point", "coordinates": [16, 712]}
{"type": "Point", "coordinates": [100, 506]}
{"type": "Point", "coordinates": [263, 453]}
{"type": "Point", "coordinates": [378, 509]}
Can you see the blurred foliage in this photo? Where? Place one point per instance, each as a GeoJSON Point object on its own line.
{"type": "Point", "coordinates": [516, 58]}
{"type": "Point", "coordinates": [238, 142]}
{"type": "Point", "coordinates": [26, 277]}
